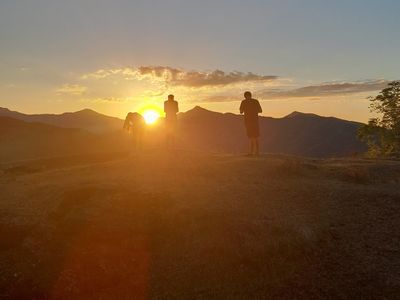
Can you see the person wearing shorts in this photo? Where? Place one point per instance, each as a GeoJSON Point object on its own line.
{"type": "Point", "coordinates": [251, 108]}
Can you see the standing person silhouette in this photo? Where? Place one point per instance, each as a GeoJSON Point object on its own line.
{"type": "Point", "coordinates": [251, 108]}
{"type": "Point", "coordinates": [171, 109]}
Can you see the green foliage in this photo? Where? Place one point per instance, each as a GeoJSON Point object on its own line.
{"type": "Point", "coordinates": [382, 134]}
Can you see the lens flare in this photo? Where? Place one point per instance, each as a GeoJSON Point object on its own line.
{"type": "Point", "coordinates": [151, 116]}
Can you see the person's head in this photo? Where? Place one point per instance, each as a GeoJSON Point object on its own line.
{"type": "Point", "coordinates": [247, 95]}
{"type": "Point", "coordinates": [170, 97]}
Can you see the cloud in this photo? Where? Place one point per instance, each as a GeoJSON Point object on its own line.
{"type": "Point", "coordinates": [72, 90]}
{"type": "Point", "coordinates": [178, 77]}
{"type": "Point", "coordinates": [326, 89]}
{"type": "Point", "coordinates": [107, 100]}
{"type": "Point", "coordinates": [214, 86]}
{"type": "Point", "coordinates": [127, 73]}
{"type": "Point", "coordinates": [314, 92]}
{"type": "Point", "coordinates": [223, 98]}
{"type": "Point", "coordinates": [9, 85]}
{"type": "Point", "coordinates": [196, 79]}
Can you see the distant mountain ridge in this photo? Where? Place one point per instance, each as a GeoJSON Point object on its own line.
{"type": "Point", "coordinates": [300, 134]}
{"type": "Point", "coordinates": [84, 119]}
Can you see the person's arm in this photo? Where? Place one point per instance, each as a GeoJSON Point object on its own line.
{"type": "Point", "coordinates": [259, 107]}
{"type": "Point", "coordinates": [177, 107]}
{"type": "Point", "coordinates": [165, 107]}
{"type": "Point", "coordinates": [241, 108]}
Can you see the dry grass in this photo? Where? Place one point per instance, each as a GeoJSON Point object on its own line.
{"type": "Point", "coordinates": [193, 225]}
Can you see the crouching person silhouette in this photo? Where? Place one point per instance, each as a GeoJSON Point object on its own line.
{"type": "Point", "coordinates": [135, 125]}
{"type": "Point", "coordinates": [251, 108]}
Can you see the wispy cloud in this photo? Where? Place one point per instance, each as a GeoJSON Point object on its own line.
{"type": "Point", "coordinates": [319, 91]}
{"type": "Point", "coordinates": [107, 100]}
{"type": "Point", "coordinates": [197, 79]}
{"type": "Point", "coordinates": [182, 78]}
{"type": "Point", "coordinates": [72, 90]}
{"type": "Point", "coordinates": [214, 86]}
{"type": "Point", "coordinates": [127, 73]}
{"type": "Point", "coordinates": [326, 89]}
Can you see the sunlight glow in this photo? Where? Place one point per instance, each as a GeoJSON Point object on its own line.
{"type": "Point", "coordinates": [151, 116]}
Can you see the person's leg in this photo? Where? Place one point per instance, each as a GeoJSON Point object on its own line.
{"type": "Point", "coordinates": [170, 135]}
{"type": "Point", "coordinates": [170, 141]}
{"type": "Point", "coordinates": [250, 146]}
{"type": "Point", "coordinates": [140, 141]}
{"type": "Point", "coordinates": [173, 135]}
{"type": "Point", "coordinates": [253, 146]}
{"type": "Point", "coordinates": [167, 135]}
{"type": "Point", "coordinates": [137, 139]}
{"type": "Point", "coordinates": [173, 141]}
{"type": "Point", "coordinates": [167, 140]}
{"type": "Point", "coordinates": [134, 142]}
{"type": "Point", "coordinates": [257, 146]}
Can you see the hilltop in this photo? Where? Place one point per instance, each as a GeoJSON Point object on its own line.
{"type": "Point", "coordinates": [197, 225]}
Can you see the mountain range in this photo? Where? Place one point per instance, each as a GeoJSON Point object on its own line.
{"type": "Point", "coordinates": [28, 136]}
{"type": "Point", "coordinates": [298, 133]}
{"type": "Point", "coordinates": [85, 119]}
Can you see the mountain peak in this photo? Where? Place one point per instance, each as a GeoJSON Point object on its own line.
{"type": "Point", "coordinates": [293, 114]}
{"type": "Point", "coordinates": [87, 111]}
{"type": "Point", "coordinates": [199, 112]}
{"type": "Point", "coordinates": [297, 114]}
{"type": "Point", "coordinates": [199, 109]}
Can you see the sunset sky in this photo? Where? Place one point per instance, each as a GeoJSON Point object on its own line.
{"type": "Point", "coordinates": [319, 56]}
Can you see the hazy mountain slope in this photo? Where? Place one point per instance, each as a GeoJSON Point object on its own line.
{"type": "Point", "coordinates": [298, 134]}
{"type": "Point", "coordinates": [24, 140]}
{"type": "Point", "coordinates": [311, 135]}
{"type": "Point", "coordinates": [187, 225]}
{"type": "Point", "coordinates": [85, 119]}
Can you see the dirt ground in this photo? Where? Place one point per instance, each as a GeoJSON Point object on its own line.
{"type": "Point", "coordinates": [191, 225]}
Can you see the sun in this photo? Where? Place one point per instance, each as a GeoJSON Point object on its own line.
{"type": "Point", "coordinates": [151, 112]}
{"type": "Point", "coordinates": [151, 116]}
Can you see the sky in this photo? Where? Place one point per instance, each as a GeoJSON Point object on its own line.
{"type": "Point", "coordinates": [317, 56]}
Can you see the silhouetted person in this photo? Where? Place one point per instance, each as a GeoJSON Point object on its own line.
{"type": "Point", "coordinates": [251, 108]}
{"type": "Point", "coordinates": [135, 125]}
{"type": "Point", "coordinates": [171, 109]}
